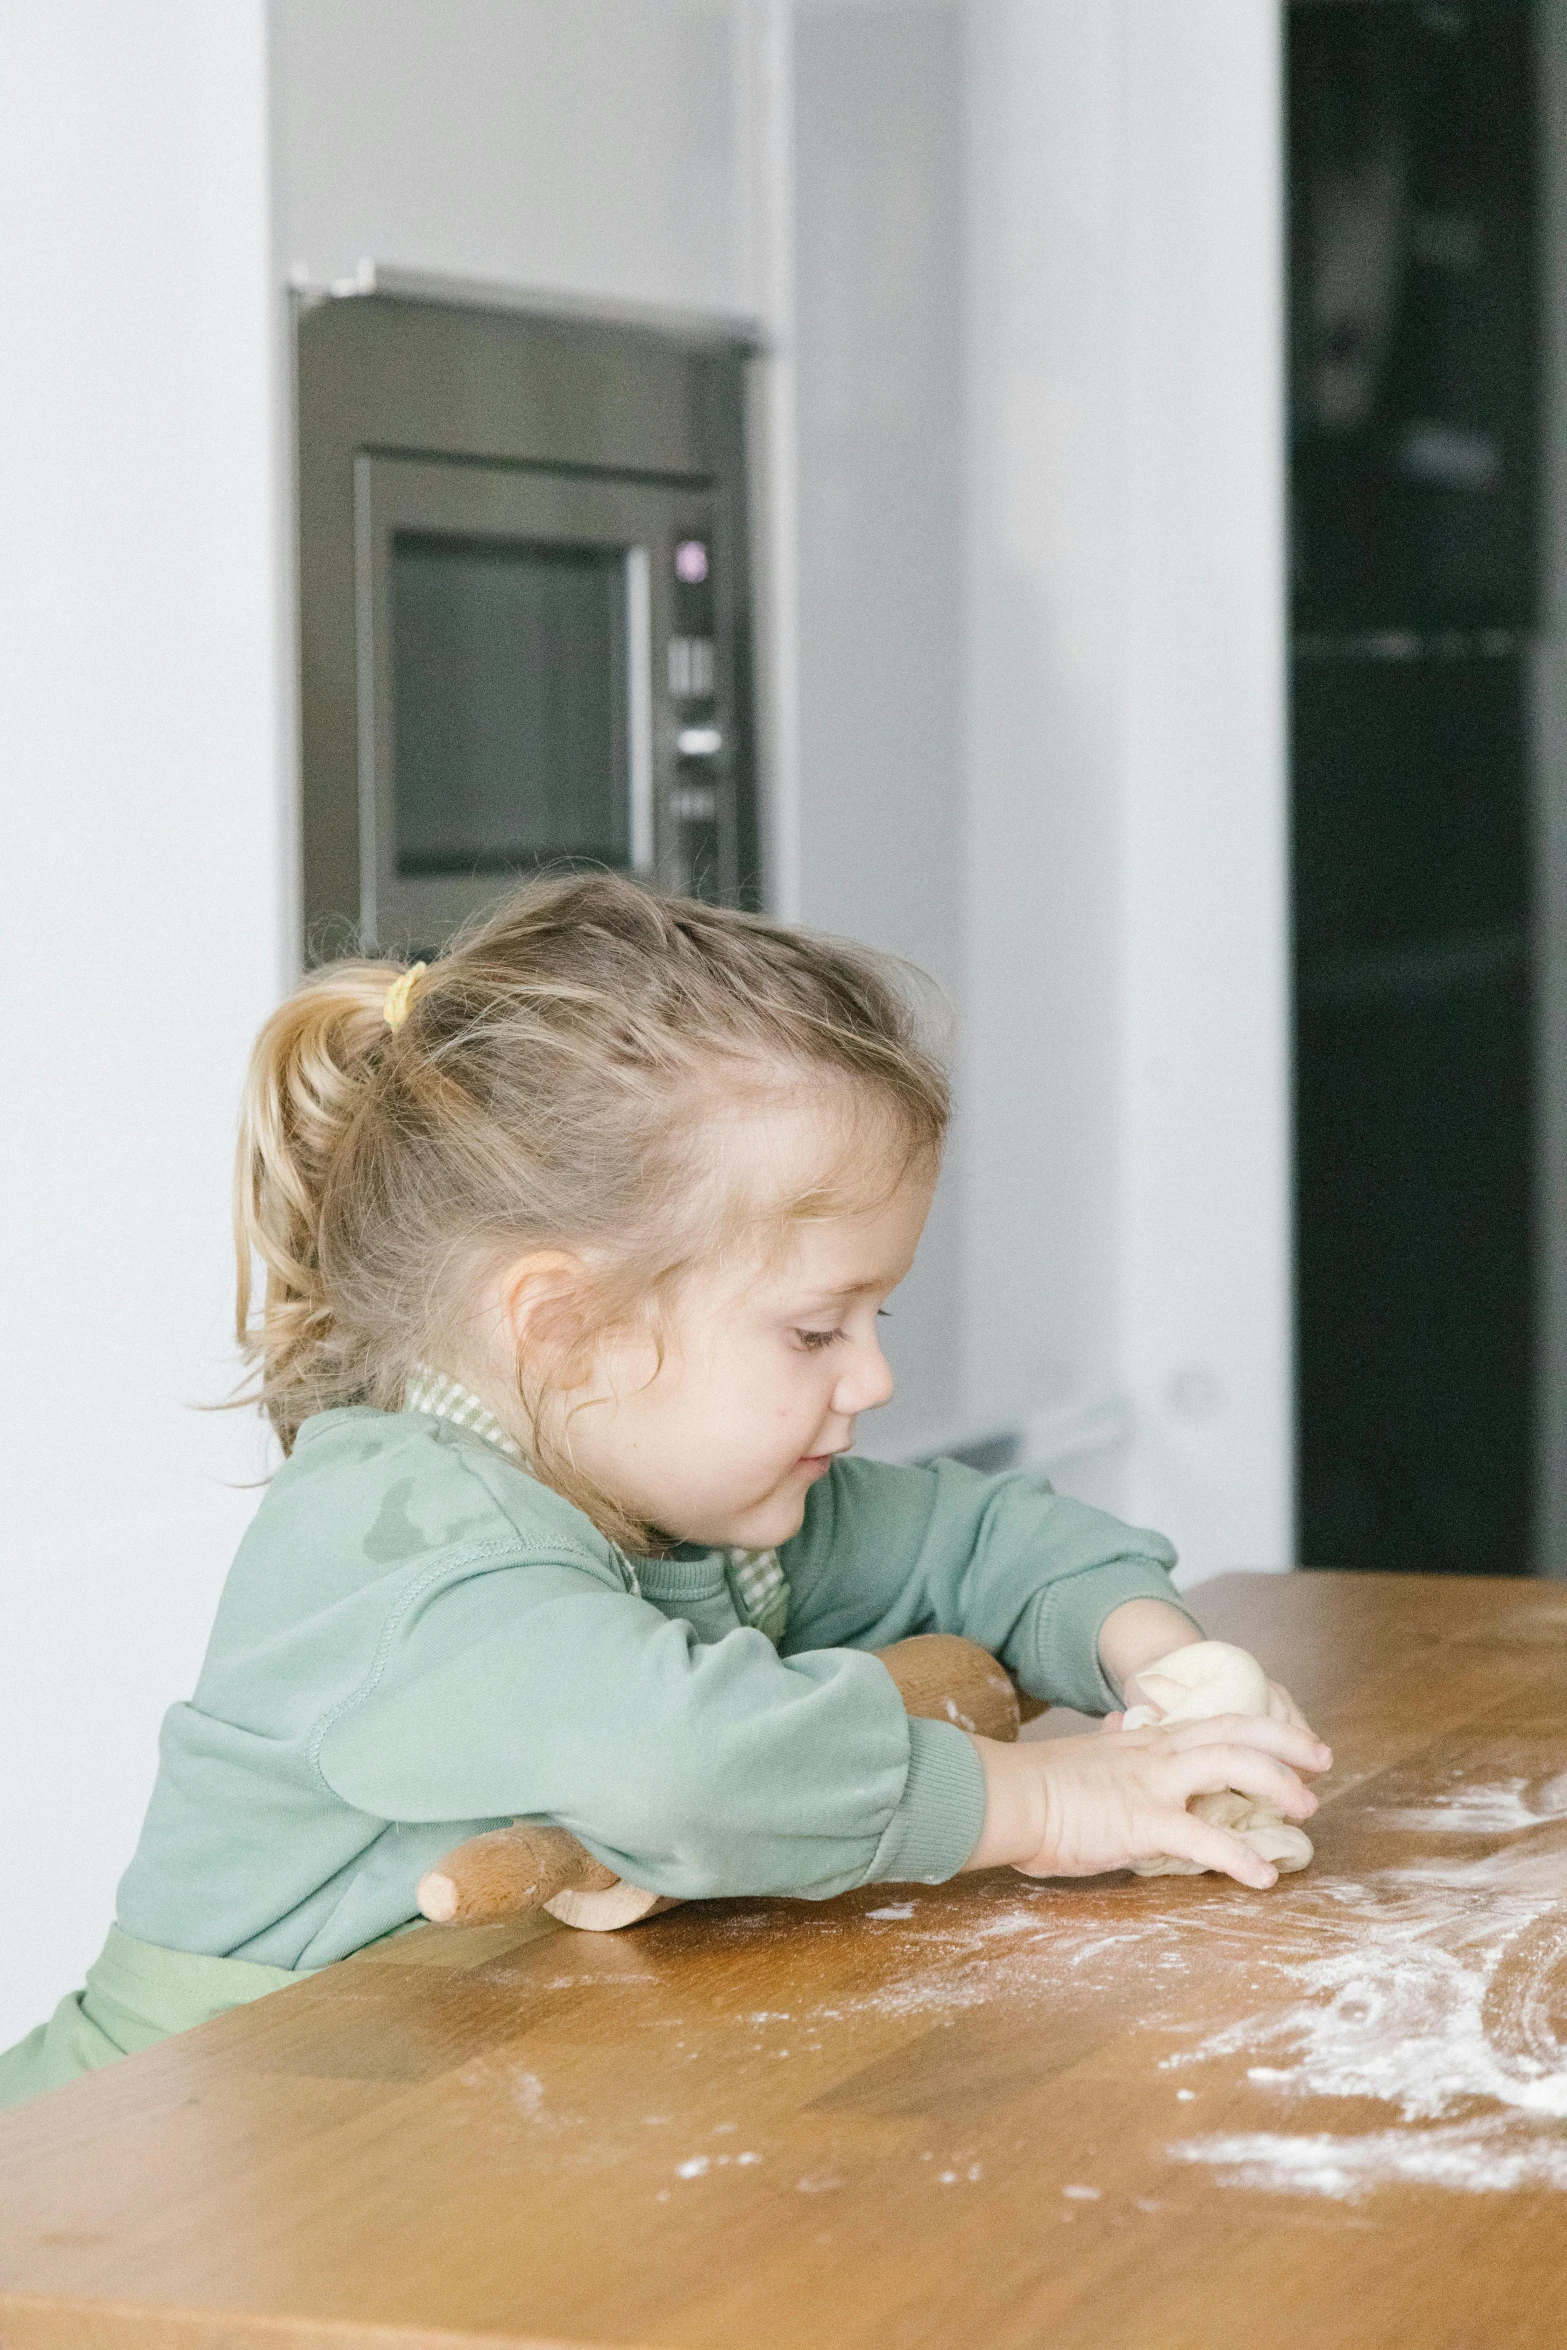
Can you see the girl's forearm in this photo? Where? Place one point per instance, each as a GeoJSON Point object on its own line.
{"type": "Point", "coordinates": [1138, 1633]}
{"type": "Point", "coordinates": [1014, 1809]}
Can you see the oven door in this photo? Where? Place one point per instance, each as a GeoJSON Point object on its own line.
{"type": "Point", "coordinates": [537, 688]}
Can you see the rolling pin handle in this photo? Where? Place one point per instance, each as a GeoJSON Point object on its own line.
{"type": "Point", "coordinates": [508, 1872]}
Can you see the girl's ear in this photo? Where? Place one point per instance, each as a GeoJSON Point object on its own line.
{"type": "Point", "coordinates": [542, 1298]}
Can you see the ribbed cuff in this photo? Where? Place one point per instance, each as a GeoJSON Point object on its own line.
{"type": "Point", "coordinates": [940, 1814]}
{"type": "Point", "coordinates": [1069, 1618]}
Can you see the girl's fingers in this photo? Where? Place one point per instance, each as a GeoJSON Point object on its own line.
{"type": "Point", "coordinates": [1217, 1848]}
{"type": "Point", "coordinates": [1299, 1747]}
{"type": "Point", "coordinates": [1210, 1770]}
{"type": "Point", "coordinates": [1291, 1711]}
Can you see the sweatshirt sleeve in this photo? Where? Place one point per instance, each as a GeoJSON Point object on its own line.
{"type": "Point", "coordinates": [530, 1689]}
{"type": "Point", "coordinates": [886, 1552]}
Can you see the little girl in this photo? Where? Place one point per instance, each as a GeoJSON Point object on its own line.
{"type": "Point", "coordinates": [574, 1245]}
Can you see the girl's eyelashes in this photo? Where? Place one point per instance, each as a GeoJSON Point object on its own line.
{"type": "Point", "coordinates": [814, 1340]}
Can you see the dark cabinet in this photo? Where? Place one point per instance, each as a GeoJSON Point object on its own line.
{"type": "Point", "coordinates": [1414, 503]}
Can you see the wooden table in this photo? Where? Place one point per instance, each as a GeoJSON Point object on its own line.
{"type": "Point", "coordinates": [1167, 2113]}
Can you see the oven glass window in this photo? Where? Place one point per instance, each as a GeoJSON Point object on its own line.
{"type": "Point", "coordinates": [509, 704]}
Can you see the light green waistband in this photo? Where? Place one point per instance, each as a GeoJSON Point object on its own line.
{"type": "Point", "coordinates": [155, 1992]}
{"type": "Point", "coordinates": [135, 1995]}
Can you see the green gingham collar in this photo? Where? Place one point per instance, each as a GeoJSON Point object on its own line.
{"type": "Point", "coordinates": [431, 1391]}
{"type": "Point", "coordinates": [761, 1590]}
{"type": "Point", "coordinates": [755, 1577]}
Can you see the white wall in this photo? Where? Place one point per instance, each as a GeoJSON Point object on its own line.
{"type": "Point", "coordinates": [1127, 1203]}
{"type": "Point", "coordinates": [1207, 1105]}
{"type": "Point", "coordinates": [594, 146]}
{"type": "Point", "coordinates": [142, 897]}
{"type": "Point", "coordinates": [878, 803]}
{"type": "Point", "coordinates": [1046, 751]}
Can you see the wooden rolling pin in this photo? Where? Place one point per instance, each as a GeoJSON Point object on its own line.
{"type": "Point", "coordinates": [510, 1871]}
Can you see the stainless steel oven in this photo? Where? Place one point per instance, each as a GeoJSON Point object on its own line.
{"type": "Point", "coordinates": [525, 635]}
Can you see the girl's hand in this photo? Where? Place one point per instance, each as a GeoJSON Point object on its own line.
{"type": "Point", "coordinates": [1287, 1709]}
{"type": "Point", "coordinates": [1075, 1807]}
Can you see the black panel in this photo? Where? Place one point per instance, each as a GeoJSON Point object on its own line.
{"type": "Point", "coordinates": [1414, 1115]}
{"type": "Point", "coordinates": [1411, 802]}
{"type": "Point", "coordinates": [1416, 1360]}
{"type": "Point", "coordinates": [1414, 491]}
{"type": "Point", "coordinates": [1411, 181]}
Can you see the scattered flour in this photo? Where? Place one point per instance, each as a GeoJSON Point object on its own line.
{"type": "Point", "coordinates": [1483, 2157]}
{"type": "Point", "coordinates": [697, 2166]}
{"type": "Point", "coordinates": [901, 1909]}
{"type": "Point", "coordinates": [519, 2090]}
{"type": "Point", "coordinates": [1434, 1991]}
{"type": "Point", "coordinates": [527, 2092]}
{"type": "Point", "coordinates": [1498, 1810]}
{"type": "Point", "coordinates": [1422, 2004]}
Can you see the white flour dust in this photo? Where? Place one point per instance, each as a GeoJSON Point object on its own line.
{"type": "Point", "coordinates": [1498, 1810]}
{"type": "Point", "coordinates": [1434, 1994]}
{"type": "Point", "coordinates": [1025, 1951]}
{"type": "Point", "coordinates": [1438, 1991]}
{"type": "Point", "coordinates": [1420, 2003]}
{"type": "Point", "coordinates": [697, 2166]}
{"type": "Point", "coordinates": [1482, 2157]}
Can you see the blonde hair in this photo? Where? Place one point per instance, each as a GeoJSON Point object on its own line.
{"type": "Point", "coordinates": [551, 1082]}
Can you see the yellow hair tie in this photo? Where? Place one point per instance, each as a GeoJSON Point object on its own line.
{"type": "Point", "coordinates": [400, 995]}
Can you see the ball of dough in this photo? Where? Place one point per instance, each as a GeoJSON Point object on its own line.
{"type": "Point", "coordinates": [1194, 1684]}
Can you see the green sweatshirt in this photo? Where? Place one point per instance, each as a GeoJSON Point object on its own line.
{"type": "Point", "coordinates": [418, 1640]}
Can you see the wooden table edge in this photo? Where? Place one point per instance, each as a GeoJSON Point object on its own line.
{"type": "Point", "coordinates": [37, 2321]}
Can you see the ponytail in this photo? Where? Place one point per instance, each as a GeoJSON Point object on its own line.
{"type": "Point", "coordinates": [307, 1083]}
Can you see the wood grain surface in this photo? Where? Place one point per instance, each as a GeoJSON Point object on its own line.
{"type": "Point", "coordinates": [1164, 2113]}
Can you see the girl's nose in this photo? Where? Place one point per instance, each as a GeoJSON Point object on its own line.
{"type": "Point", "coordinates": [866, 1383]}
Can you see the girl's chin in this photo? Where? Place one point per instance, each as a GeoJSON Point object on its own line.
{"type": "Point", "coordinates": [772, 1522]}
{"type": "Point", "coordinates": [763, 1524]}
